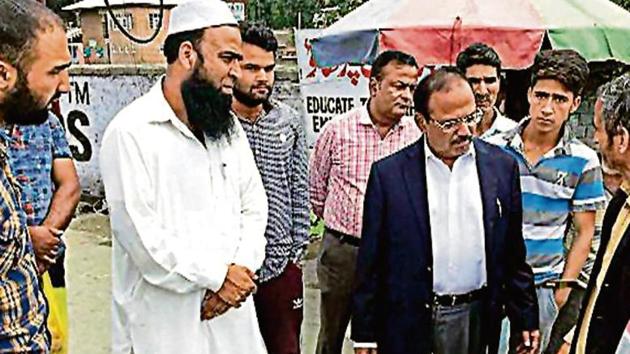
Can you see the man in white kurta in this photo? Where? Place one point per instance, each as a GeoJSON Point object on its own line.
{"type": "Point", "coordinates": [184, 208]}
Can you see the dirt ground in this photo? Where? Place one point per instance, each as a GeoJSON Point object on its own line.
{"type": "Point", "coordinates": [88, 267]}
{"type": "Point", "coordinates": [89, 290]}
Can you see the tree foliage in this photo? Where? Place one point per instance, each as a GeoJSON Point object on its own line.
{"type": "Point", "coordinates": [284, 13]}
{"type": "Point", "coordinates": [291, 13]}
{"type": "Point", "coordinates": [57, 5]}
{"type": "Point", "coordinates": [623, 3]}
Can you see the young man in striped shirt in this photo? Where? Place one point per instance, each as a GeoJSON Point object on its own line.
{"type": "Point", "coordinates": [559, 176]}
{"type": "Point", "coordinates": [276, 137]}
{"type": "Point", "coordinates": [340, 166]}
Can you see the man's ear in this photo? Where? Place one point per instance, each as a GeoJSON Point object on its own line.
{"type": "Point", "coordinates": [8, 75]}
{"type": "Point", "coordinates": [622, 140]}
{"type": "Point", "coordinates": [421, 122]}
{"type": "Point", "coordinates": [576, 103]}
{"type": "Point", "coordinates": [187, 55]}
{"type": "Point", "coordinates": [374, 86]}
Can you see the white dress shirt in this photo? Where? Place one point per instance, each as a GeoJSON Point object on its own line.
{"type": "Point", "coordinates": [180, 214]}
{"type": "Point", "coordinates": [456, 219]}
{"type": "Point", "coordinates": [500, 125]}
{"type": "Point", "coordinates": [457, 232]}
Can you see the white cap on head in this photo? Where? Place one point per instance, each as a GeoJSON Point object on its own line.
{"type": "Point", "coordinates": [197, 14]}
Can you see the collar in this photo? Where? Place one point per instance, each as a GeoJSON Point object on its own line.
{"type": "Point", "coordinates": [429, 155]}
{"type": "Point", "coordinates": [6, 134]}
{"type": "Point", "coordinates": [3, 149]}
{"type": "Point", "coordinates": [496, 123]}
{"type": "Point", "coordinates": [495, 126]}
{"type": "Point", "coordinates": [364, 115]}
{"type": "Point", "coordinates": [268, 106]}
{"type": "Point", "coordinates": [365, 119]}
{"type": "Point", "coordinates": [514, 139]}
{"type": "Point", "coordinates": [162, 112]}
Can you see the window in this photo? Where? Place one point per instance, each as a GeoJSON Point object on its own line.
{"type": "Point", "coordinates": [154, 19]}
{"type": "Point", "coordinates": [125, 20]}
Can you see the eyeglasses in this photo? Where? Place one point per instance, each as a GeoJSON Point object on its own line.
{"type": "Point", "coordinates": [451, 124]}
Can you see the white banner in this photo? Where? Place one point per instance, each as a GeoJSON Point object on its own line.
{"type": "Point", "coordinates": [327, 92]}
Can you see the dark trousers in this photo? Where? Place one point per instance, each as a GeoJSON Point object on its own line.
{"type": "Point", "coordinates": [279, 307]}
{"type": "Point", "coordinates": [335, 270]}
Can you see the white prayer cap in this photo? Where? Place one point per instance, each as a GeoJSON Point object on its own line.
{"type": "Point", "coordinates": [197, 14]}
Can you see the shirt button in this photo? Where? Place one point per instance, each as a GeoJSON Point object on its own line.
{"type": "Point", "coordinates": [427, 306]}
{"type": "Point", "coordinates": [606, 285]}
{"type": "Point", "coordinates": [429, 269]}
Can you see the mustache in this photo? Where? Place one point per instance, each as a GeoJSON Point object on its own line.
{"type": "Point", "coordinates": [265, 86]}
{"type": "Point", "coordinates": [462, 139]}
{"type": "Point", "coordinates": [482, 97]}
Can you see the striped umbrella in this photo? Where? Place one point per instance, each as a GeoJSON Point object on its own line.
{"type": "Point", "coordinates": [436, 31]}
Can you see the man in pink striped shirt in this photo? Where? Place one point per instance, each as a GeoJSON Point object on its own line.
{"type": "Point", "coordinates": [339, 170]}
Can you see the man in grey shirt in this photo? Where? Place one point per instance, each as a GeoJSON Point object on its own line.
{"type": "Point", "coordinates": [276, 137]}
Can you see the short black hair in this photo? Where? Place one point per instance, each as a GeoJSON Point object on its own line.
{"type": "Point", "coordinates": [478, 54]}
{"type": "Point", "coordinates": [563, 65]}
{"type": "Point", "coordinates": [390, 56]}
{"type": "Point", "coordinates": [434, 82]}
{"type": "Point", "coordinates": [174, 41]}
{"type": "Point", "coordinates": [259, 35]}
{"type": "Point", "coordinates": [615, 97]}
{"type": "Point", "coordinates": [21, 22]}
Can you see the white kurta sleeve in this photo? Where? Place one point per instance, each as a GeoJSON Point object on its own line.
{"type": "Point", "coordinates": [161, 257]}
{"type": "Point", "coordinates": [251, 248]}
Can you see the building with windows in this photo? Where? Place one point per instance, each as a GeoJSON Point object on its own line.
{"type": "Point", "coordinates": [104, 42]}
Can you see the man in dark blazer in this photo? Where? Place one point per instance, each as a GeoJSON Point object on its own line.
{"type": "Point", "coordinates": [606, 306]}
{"type": "Point", "coordinates": [442, 256]}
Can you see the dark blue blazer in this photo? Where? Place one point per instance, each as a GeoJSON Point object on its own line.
{"type": "Point", "coordinates": [392, 303]}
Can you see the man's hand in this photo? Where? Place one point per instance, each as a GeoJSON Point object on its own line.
{"type": "Point", "coordinates": [530, 342]}
{"type": "Point", "coordinates": [565, 348]}
{"type": "Point", "coordinates": [238, 285]}
{"type": "Point", "coordinates": [46, 245]}
{"type": "Point", "coordinates": [365, 351]}
{"type": "Point", "coordinates": [212, 306]}
{"type": "Point", "coordinates": [562, 295]}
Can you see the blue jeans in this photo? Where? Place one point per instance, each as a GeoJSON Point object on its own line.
{"type": "Point", "coordinates": [547, 312]}
{"type": "Point", "coordinates": [457, 329]}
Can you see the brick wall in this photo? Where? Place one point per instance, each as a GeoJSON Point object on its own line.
{"type": "Point", "coordinates": [120, 48]}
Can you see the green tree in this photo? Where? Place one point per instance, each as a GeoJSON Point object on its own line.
{"type": "Point", "coordinates": [623, 3]}
{"type": "Point", "coordinates": [57, 5]}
